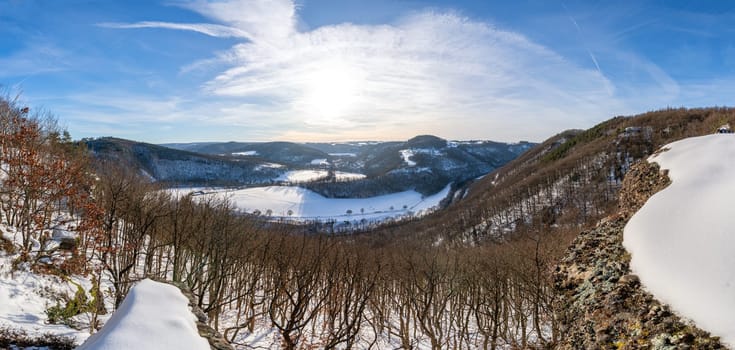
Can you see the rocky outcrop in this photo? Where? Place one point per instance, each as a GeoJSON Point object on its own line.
{"type": "Point", "coordinates": [602, 305]}
{"type": "Point", "coordinates": [215, 339]}
{"type": "Point", "coordinates": [642, 181]}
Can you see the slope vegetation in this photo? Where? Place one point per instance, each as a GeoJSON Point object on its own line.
{"type": "Point", "coordinates": [569, 180]}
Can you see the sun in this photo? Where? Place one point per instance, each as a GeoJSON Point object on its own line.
{"type": "Point", "coordinates": [332, 91]}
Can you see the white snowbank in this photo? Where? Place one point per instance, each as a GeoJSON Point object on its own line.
{"type": "Point", "coordinates": [308, 205]}
{"type": "Point", "coordinates": [320, 161]}
{"type": "Point", "coordinates": [153, 316]}
{"type": "Point", "coordinates": [682, 241]}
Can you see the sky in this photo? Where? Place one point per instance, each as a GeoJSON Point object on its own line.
{"type": "Point", "coordinates": [317, 70]}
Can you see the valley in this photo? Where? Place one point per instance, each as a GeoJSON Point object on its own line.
{"type": "Point", "coordinates": [367, 175]}
{"type": "Point", "coordinates": [348, 185]}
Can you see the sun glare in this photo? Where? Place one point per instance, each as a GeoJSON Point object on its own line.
{"type": "Point", "coordinates": [332, 90]}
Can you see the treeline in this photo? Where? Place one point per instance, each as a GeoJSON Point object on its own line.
{"type": "Point", "coordinates": [325, 291]}
{"type": "Point", "coordinates": [43, 177]}
{"type": "Point", "coordinates": [247, 275]}
{"type": "Point", "coordinates": [435, 282]}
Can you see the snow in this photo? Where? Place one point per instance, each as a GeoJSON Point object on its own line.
{"type": "Point", "coordinates": [406, 154]}
{"type": "Point", "coordinates": [24, 298]}
{"type": "Point", "coordinates": [344, 154]}
{"type": "Point", "coordinates": [304, 204]}
{"type": "Point", "coordinates": [268, 166]}
{"type": "Point", "coordinates": [344, 176]}
{"type": "Point", "coordinates": [313, 175]}
{"type": "Point", "coordinates": [681, 241]}
{"type": "Point", "coordinates": [245, 153]}
{"type": "Point", "coordinates": [153, 316]}
{"type": "Point", "coordinates": [302, 175]}
{"type": "Point", "coordinates": [320, 161]}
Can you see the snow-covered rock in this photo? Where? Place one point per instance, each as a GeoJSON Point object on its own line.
{"type": "Point", "coordinates": [681, 241]}
{"type": "Point", "coordinates": [153, 316]}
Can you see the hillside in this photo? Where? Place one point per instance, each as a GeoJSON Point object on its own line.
{"type": "Point", "coordinates": [479, 274]}
{"type": "Point", "coordinates": [572, 178]}
{"type": "Point", "coordinates": [182, 167]}
{"type": "Point", "coordinates": [425, 163]}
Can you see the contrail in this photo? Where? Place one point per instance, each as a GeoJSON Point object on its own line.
{"type": "Point", "coordinates": [579, 31]}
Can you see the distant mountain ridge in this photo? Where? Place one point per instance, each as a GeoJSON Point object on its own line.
{"type": "Point", "coordinates": [425, 163]}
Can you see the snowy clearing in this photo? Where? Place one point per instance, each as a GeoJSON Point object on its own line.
{"type": "Point", "coordinates": [343, 176]}
{"type": "Point", "coordinates": [320, 161]}
{"type": "Point", "coordinates": [155, 309]}
{"type": "Point", "coordinates": [268, 166]}
{"type": "Point", "coordinates": [302, 175]}
{"type": "Point", "coordinates": [682, 242]}
{"type": "Point", "coordinates": [345, 154]}
{"type": "Point", "coordinates": [246, 153]}
{"type": "Point", "coordinates": [303, 204]}
{"type": "Point", "coordinates": [406, 154]}
{"type": "Point", "coordinates": [314, 175]}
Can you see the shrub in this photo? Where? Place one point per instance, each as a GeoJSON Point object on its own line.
{"type": "Point", "coordinates": [79, 304]}
{"type": "Point", "coordinates": [17, 338]}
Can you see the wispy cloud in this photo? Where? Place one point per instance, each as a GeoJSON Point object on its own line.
{"type": "Point", "coordinates": [204, 28]}
{"type": "Point", "coordinates": [430, 71]}
{"type": "Point", "coordinates": [434, 72]}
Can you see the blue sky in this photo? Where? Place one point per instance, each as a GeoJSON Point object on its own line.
{"type": "Point", "coordinates": [310, 70]}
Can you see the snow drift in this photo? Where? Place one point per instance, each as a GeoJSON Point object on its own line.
{"type": "Point", "coordinates": [153, 316]}
{"type": "Point", "coordinates": [682, 241]}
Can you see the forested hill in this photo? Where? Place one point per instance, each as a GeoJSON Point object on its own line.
{"type": "Point", "coordinates": [75, 240]}
{"type": "Point", "coordinates": [572, 178]}
{"type": "Point", "coordinates": [424, 163]}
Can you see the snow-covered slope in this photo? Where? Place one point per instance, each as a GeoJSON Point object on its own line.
{"type": "Point", "coordinates": [682, 241]}
{"type": "Point", "coordinates": [296, 203]}
{"type": "Point", "coordinates": [153, 316]}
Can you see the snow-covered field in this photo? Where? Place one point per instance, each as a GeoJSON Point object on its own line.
{"type": "Point", "coordinates": [153, 315]}
{"type": "Point", "coordinates": [682, 241]}
{"type": "Point", "coordinates": [320, 161]}
{"type": "Point", "coordinates": [246, 153]}
{"type": "Point", "coordinates": [297, 203]}
{"type": "Point", "coordinates": [313, 175]}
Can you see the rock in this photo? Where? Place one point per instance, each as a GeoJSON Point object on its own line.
{"type": "Point", "coordinates": [216, 340]}
{"type": "Point", "coordinates": [602, 303]}
{"type": "Point", "coordinates": [629, 279]}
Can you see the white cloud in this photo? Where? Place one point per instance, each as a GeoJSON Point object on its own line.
{"type": "Point", "coordinates": [262, 20]}
{"type": "Point", "coordinates": [432, 71]}
{"type": "Point", "coordinates": [429, 72]}
{"type": "Point", "coordinates": [204, 28]}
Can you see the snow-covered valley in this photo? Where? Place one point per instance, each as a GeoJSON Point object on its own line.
{"type": "Point", "coordinates": [298, 204]}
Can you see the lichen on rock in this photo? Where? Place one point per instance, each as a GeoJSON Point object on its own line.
{"type": "Point", "coordinates": [602, 304]}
